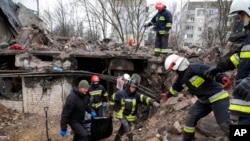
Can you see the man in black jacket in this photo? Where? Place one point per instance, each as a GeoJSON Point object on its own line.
{"type": "Point", "coordinates": [74, 111]}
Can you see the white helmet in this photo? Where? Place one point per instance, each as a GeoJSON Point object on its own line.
{"type": "Point", "coordinates": [240, 5]}
{"type": "Point", "coordinates": [126, 77]}
{"type": "Point", "coordinates": [176, 62]}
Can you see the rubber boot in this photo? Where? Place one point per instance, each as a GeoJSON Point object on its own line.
{"type": "Point", "coordinates": [117, 138]}
{"type": "Point", "coordinates": [130, 137]}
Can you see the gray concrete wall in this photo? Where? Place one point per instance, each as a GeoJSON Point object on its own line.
{"type": "Point", "coordinates": [35, 99]}
{"type": "Point", "coordinates": [14, 105]}
{"type": "Point", "coordinates": [52, 98]}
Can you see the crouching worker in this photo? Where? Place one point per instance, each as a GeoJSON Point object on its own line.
{"type": "Point", "coordinates": [125, 104]}
{"type": "Point", "coordinates": [74, 112]}
{"type": "Point", "coordinates": [210, 93]}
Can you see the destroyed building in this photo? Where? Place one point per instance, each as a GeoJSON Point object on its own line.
{"type": "Point", "coordinates": [38, 70]}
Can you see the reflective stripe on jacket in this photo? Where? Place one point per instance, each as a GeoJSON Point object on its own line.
{"type": "Point", "coordinates": [97, 96]}
{"type": "Point", "coordinates": [194, 81]}
{"type": "Point", "coordinates": [126, 104]}
{"type": "Point", "coordinates": [240, 104]}
{"type": "Point", "coordinates": [162, 22]}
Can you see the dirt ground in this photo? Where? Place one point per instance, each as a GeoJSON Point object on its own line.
{"type": "Point", "coordinates": [17, 126]}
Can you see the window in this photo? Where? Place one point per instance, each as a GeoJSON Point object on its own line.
{"type": "Point", "coordinates": [200, 12]}
{"type": "Point", "coordinates": [199, 37]}
{"type": "Point", "coordinates": [199, 28]}
{"type": "Point", "coordinates": [192, 19]}
{"type": "Point", "coordinates": [189, 36]}
{"type": "Point", "coordinates": [210, 29]}
{"type": "Point", "coordinates": [187, 44]}
{"type": "Point", "coordinates": [189, 27]}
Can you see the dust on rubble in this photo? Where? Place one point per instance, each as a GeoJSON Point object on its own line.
{"type": "Point", "coordinates": [163, 125]}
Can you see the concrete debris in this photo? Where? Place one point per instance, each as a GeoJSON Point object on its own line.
{"type": "Point", "coordinates": [177, 127]}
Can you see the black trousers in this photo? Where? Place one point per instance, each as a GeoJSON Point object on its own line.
{"type": "Point", "coordinates": [125, 128]}
{"type": "Point", "coordinates": [161, 43]}
{"type": "Point", "coordinates": [199, 110]}
{"type": "Point", "coordinates": [80, 134]}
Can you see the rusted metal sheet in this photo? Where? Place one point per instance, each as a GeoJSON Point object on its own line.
{"type": "Point", "coordinates": [121, 64]}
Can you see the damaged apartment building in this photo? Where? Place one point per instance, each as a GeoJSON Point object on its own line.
{"type": "Point", "coordinates": [38, 70]}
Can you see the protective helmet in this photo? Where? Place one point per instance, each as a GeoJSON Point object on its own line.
{"type": "Point", "coordinates": [126, 77]}
{"type": "Point", "coordinates": [159, 6]}
{"type": "Point", "coordinates": [176, 62]}
{"type": "Point", "coordinates": [95, 78]}
{"type": "Point", "coordinates": [240, 5]}
{"type": "Point", "coordinates": [133, 83]}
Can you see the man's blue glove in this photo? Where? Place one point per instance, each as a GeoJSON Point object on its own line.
{"type": "Point", "coordinates": [93, 114]}
{"type": "Point", "coordinates": [63, 133]}
{"type": "Point", "coordinates": [104, 105]}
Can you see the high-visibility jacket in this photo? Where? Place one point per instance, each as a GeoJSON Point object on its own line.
{"type": "Point", "coordinates": [98, 95]}
{"type": "Point", "coordinates": [162, 22]}
{"type": "Point", "coordinates": [194, 81]}
{"type": "Point", "coordinates": [241, 60]}
{"type": "Point", "coordinates": [240, 104]}
{"type": "Point", "coordinates": [125, 104]}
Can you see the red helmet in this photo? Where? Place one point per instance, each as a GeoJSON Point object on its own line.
{"type": "Point", "coordinates": [159, 6]}
{"type": "Point", "coordinates": [95, 78]}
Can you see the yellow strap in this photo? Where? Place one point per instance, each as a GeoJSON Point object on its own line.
{"type": "Point", "coordinates": [96, 105]}
{"type": "Point", "coordinates": [133, 106]}
{"type": "Point", "coordinates": [240, 108]}
{"type": "Point", "coordinates": [164, 50]}
{"type": "Point", "coordinates": [219, 97]}
{"type": "Point", "coordinates": [244, 54]}
{"type": "Point", "coordinates": [119, 114]}
{"type": "Point", "coordinates": [189, 129]}
{"type": "Point", "coordinates": [197, 81]}
{"type": "Point", "coordinates": [162, 18]}
{"type": "Point", "coordinates": [169, 25]}
{"type": "Point", "coordinates": [172, 91]}
{"type": "Point", "coordinates": [131, 118]}
{"type": "Point", "coordinates": [235, 60]}
{"type": "Point", "coordinates": [94, 93]}
{"type": "Point", "coordinates": [157, 50]}
{"type": "Point", "coordinates": [105, 94]}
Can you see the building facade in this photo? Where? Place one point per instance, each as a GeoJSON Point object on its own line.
{"type": "Point", "coordinates": [199, 23]}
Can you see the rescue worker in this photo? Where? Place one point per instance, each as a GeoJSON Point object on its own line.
{"type": "Point", "coordinates": [98, 96]}
{"type": "Point", "coordinates": [126, 78]}
{"type": "Point", "coordinates": [73, 112]}
{"type": "Point", "coordinates": [122, 81]}
{"type": "Point", "coordinates": [239, 59]}
{"type": "Point", "coordinates": [210, 93]}
{"type": "Point", "coordinates": [162, 23]}
{"type": "Point", "coordinates": [125, 104]}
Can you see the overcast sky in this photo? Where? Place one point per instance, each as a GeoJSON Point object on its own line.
{"type": "Point", "coordinates": [45, 4]}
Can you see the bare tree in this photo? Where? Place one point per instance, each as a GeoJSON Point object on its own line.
{"type": "Point", "coordinates": [176, 23]}
{"type": "Point", "coordinates": [223, 28]}
{"type": "Point", "coordinates": [125, 17]}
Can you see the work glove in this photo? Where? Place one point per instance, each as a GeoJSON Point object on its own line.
{"type": "Point", "coordinates": [93, 114]}
{"type": "Point", "coordinates": [226, 83]}
{"type": "Point", "coordinates": [104, 105]}
{"type": "Point", "coordinates": [156, 104]}
{"type": "Point", "coordinates": [63, 133]}
{"type": "Point", "coordinates": [211, 72]}
{"type": "Point", "coordinates": [164, 97]}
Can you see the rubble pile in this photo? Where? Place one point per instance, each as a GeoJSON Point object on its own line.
{"type": "Point", "coordinates": [8, 119]}
{"type": "Point", "coordinates": [167, 123]}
